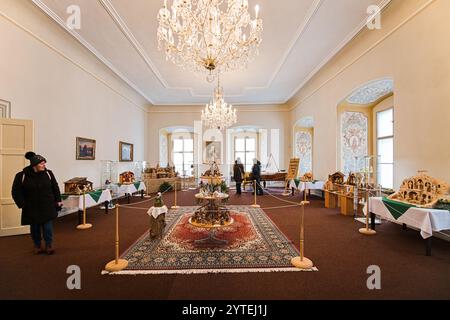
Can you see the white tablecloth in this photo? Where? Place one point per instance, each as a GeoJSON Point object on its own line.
{"type": "Point", "coordinates": [318, 185]}
{"type": "Point", "coordinates": [157, 211]}
{"type": "Point", "coordinates": [75, 201]}
{"type": "Point", "coordinates": [424, 219]}
{"type": "Point", "coordinates": [131, 188]}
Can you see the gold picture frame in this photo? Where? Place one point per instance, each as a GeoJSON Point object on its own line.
{"type": "Point", "coordinates": [85, 148]}
{"type": "Point", "coordinates": [125, 151]}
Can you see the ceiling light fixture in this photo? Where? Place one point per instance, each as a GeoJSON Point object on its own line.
{"type": "Point", "coordinates": [209, 35]}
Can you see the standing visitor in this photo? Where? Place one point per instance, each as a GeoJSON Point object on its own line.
{"type": "Point", "coordinates": [35, 191]}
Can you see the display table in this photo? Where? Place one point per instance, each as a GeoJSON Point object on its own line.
{"type": "Point", "coordinates": [302, 186]}
{"type": "Point", "coordinates": [129, 189]}
{"type": "Point", "coordinates": [331, 199]}
{"type": "Point", "coordinates": [425, 219]}
{"type": "Point", "coordinates": [74, 203]}
{"type": "Point", "coordinates": [157, 220]}
{"type": "Point", "coordinates": [211, 216]}
{"type": "Point", "coordinates": [155, 212]}
{"type": "Point", "coordinates": [152, 185]}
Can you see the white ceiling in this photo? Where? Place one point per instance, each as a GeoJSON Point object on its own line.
{"type": "Point", "coordinates": [299, 37]}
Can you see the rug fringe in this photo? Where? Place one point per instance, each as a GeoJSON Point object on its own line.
{"type": "Point", "coordinates": [206, 271]}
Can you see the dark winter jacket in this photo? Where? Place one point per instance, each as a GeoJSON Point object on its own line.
{"type": "Point", "coordinates": [37, 194]}
{"type": "Point", "coordinates": [256, 172]}
{"type": "Point", "coordinates": [238, 172]}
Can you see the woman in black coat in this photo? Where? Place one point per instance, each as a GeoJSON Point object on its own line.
{"type": "Point", "coordinates": [35, 191]}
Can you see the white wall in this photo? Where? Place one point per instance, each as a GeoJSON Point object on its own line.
{"type": "Point", "coordinates": [413, 49]}
{"type": "Point", "coordinates": [51, 79]}
{"type": "Point", "coordinates": [264, 117]}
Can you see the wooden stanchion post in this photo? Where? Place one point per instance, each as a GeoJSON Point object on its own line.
{"type": "Point", "coordinates": [175, 206]}
{"type": "Point", "coordinates": [302, 262]}
{"type": "Point", "coordinates": [117, 264]}
{"type": "Point", "coordinates": [85, 225]}
{"type": "Point", "coordinates": [255, 205]}
{"type": "Point", "coordinates": [367, 231]}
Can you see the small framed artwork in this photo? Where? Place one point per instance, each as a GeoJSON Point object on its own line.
{"type": "Point", "coordinates": [85, 149]}
{"type": "Point", "coordinates": [212, 152]}
{"type": "Point", "coordinates": [125, 152]}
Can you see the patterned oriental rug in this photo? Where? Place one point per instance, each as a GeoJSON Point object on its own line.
{"type": "Point", "coordinates": [254, 244]}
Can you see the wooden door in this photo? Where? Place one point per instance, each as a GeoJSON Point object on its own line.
{"type": "Point", "coordinates": [16, 138]}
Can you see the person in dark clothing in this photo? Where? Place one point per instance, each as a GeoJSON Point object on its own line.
{"type": "Point", "coordinates": [238, 174]}
{"type": "Point", "coordinates": [35, 191]}
{"type": "Point", "coordinates": [256, 174]}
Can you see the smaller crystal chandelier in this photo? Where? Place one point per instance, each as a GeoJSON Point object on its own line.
{"type": "Point", "coordinates": [217, 113]}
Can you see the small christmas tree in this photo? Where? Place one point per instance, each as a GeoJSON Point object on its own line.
{"type": "Point", "coordinates": [158, 201]}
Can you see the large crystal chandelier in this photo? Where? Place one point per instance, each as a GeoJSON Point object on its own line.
{"type": "Point", "coordinates": [217, 113]}
{"type": "Point", "coordinates": [209, 35]}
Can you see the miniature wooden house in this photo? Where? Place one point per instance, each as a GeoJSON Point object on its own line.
{"type": "Point", "coordinates": [421, 190]}
{"type": "Point", "coordinates": [307, 177]}
{"type": "Point", "coordinates": [126, 177]}
{"type": "Point", "coordinates": [351, 180]}
{"type": "Point", "coordinates": [337, 178]}
{"type": "Point", "coordinates": [77, 186]}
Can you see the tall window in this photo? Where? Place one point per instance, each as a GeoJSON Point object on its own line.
{"type": "Point", "coordinates": [245, 148]}
{"type": "Point", "coordinates": [183, 155]}
{"type": "Point", "coordinates": [385, 148]}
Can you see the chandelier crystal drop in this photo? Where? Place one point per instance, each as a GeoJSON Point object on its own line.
{"type": "Point", "coordinates": [219, 114]}
{"type": "Point", "coordinates": [209, 35]}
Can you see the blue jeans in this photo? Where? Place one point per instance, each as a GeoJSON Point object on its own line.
{"type": "Point", "coordinates": [47, 229]}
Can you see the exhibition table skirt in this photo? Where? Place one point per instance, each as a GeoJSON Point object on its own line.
{"type": "Point", "coordinates": [131, 188]}
{"type": "Point", "coordinates": [425, 219]}
{"type": "Point", "coordinates": [93, 199]}
{"type": "Point", "coordinates": [301, 186]}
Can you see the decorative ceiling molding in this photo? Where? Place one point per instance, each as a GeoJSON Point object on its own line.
{"type": "Point", "coordinates": [88, 46]}
{"type": "Point", "coordinates": [112, 12]}
{"type": "Point", "coordinates": [298, 34]}
{"type": "Point", "coordinates": [347, 39]}
{"type": "Point", "coordinates": [65, 56]}
{"type": "Point", "coordinates": [242, 91]}
{"type": "Point", "coordinates": [371, 92]}
{"type": "Point", "coordinates": [123, 27]}
{"type": "Point", "coordinates": [295, 104]}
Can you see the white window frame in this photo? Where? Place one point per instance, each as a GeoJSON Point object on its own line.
{"type": "Point", "coordinates": [245, 149]}
{"type": "Point", "coordinates": [183, 153]}
{"type": "Point", "coordinates": [378, 138]}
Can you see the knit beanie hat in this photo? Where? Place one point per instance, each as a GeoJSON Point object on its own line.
{"type": "Point", "coordinates": [35, 159]}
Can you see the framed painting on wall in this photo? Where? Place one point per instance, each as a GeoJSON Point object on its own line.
{"type": "Point", "coordinates": [212, 152]}
{"type": "Point", "coordinates": [85, 149]}
{"type": "Point", "coordinates": [125, 152]}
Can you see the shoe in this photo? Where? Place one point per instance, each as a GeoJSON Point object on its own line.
{"type": "Point", "coordinates": [49, 250]}
{"type": "Point", "coordinates": [38, 250]}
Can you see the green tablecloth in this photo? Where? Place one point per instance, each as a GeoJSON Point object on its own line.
{"type": "Point", "coordinates": [397, 209]}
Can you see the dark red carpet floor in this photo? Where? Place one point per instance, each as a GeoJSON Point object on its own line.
{"type": "Point", "coordinates": [341, 254]}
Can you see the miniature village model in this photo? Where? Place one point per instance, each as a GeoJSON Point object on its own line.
{"type": "Point", "coordinates": [77, 185]}
{"type": "Point", "coordinates": [126, 177]}
{"type": "Point", "coordinates": [211, 196]}
{"type": "Point", "coordinates": [421, 190]}
{"type": "Point", "coordinates": [160, 172]}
